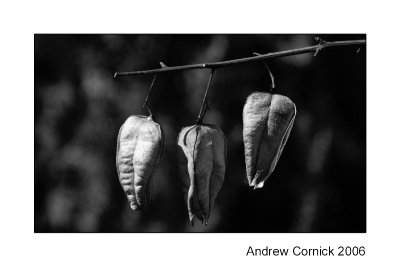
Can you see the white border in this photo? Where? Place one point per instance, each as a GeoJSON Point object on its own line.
{"type": "Point", "coordinates": [20, 20]}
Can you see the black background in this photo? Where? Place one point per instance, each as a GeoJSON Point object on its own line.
{"type": "Point", "coordinates": [319, 184]}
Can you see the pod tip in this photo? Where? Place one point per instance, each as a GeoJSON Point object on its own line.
{"type": "Point", "coordinates": [191, 219]}
{"type": "Point", "coordinates": [257, 186]}
{"type": "Point", "coordinates": [134, 206]}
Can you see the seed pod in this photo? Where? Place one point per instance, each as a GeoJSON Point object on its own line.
{"type": "Point", "coordinates": [139, 147]}
{"type": "Point", "coordinates": [202, 163]}
{"type": "Point", "coordinates": [267, 121]}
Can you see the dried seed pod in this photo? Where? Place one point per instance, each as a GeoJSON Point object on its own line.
{"type": "Point", "coordinates": [267, 121]}
{"type": "Point", "coordinates": [139, 147]}
{"type": "Point", "coordinates": [202, 163]}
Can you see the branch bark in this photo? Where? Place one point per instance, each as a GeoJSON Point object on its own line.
{"type": "Point", "coordinates": [215, 65]}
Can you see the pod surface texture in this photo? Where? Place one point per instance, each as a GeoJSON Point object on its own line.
{"type": "Point", "coordinates": [139, 147]}
{"type": "Point", "coordinates": [267, 122]}
{"type": "Point", "coordinates": [202, 162]}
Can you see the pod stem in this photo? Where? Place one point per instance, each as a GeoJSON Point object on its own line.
{"type": "Point", "coordinates": [145, 104]}
{"type": "Point", "coordinates": [269, 71]}
{"type": "Point", "coordinates": [204, 105]}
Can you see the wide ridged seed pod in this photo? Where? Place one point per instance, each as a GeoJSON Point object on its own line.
{"type": "Point", "coordinates": [202, 163]}
{"type": "Point", "coordinates": [267, 122]}
{"type": "Point", "coordinates": [139, 147]}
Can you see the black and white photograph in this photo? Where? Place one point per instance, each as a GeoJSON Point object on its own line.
{"type": "Point", "coordinates": [200, 133]}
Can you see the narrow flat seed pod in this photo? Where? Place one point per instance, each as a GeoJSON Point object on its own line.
{"type": "Point", "coordinates": [267, 122]}
{"type": "Point", "coordinates": [202, 163]}
{"type": "Point", "coordinates": [139, 147]}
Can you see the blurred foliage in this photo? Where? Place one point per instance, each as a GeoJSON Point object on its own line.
{"type": "Point", "coordinates": [319, 184]}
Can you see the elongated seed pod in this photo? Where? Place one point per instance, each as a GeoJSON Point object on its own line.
{"type": "Point", "coordinates": [267, 122]}
{"type": "Point", "coordinates": [139, 147]}
{"type": "Point", "coordinates": [202, 163]}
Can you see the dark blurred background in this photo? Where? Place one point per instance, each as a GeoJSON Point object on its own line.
{"type": "Point", "coordinates": [319, 184]}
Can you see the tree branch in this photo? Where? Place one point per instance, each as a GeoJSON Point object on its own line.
{"type": "Point", "coordinates": [215, 65]}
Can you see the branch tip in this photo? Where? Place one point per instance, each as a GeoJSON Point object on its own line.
{"type": "Point", "coordinates": [320, 41]}
{"type": "Point", "coordinates": [321, 44]}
